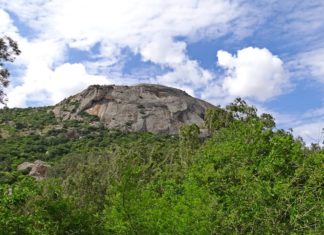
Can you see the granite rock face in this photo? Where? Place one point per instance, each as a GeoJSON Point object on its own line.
{"type": "Point", "coordinates": [144, 107]}
{"type": "Point", "coordinates": [38, 169]}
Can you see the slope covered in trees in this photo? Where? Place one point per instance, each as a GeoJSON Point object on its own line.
{"type": "Point", "coordinates": [246, 178]}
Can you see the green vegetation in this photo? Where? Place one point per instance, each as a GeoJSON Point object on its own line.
{"type": "Point", "coordinates": [246, 178]}
{"type": "Point", "coordinates": [8, 51]}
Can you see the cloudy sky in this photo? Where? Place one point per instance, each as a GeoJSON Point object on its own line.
{"type": "Point", "coordinates": [270, 52]}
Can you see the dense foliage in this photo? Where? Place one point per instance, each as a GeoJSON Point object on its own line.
{"type": "Point", "coordinates": [247, 177]}
{"type": "Point", "coordinates": [8, 50]}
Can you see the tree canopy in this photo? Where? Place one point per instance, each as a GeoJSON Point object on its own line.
{"type": "Point", "coordinates": [245, 178]}
{"type": "Point", "coordinates": [8, 51]}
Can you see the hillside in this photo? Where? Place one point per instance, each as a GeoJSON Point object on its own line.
{"type": "Point", "coordinates": [245, 177]}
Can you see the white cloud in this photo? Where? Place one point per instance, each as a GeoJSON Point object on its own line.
{"type": "Point", "coordinates": [6, 24]}
{"type": "Point", "coordinates": [311, 132]}
{"type": "Point", "coordinates": [164, 51]}
{"type": "Point", "coordinates": [130, 23]}
{"type": "Point", "coordinates": [156, 30]}
{"type": "Point", "coordinates": [159, 32]}
{"type": "Point", "coordinates": [45, 52]}
{"type": "Point", "coordinates": [310, 126]}
{"type": "Point", "coordinates": [185, 75]}
{"type": "Point", "coordinates": [310, 64]}
{"type": "Point", "coordinates": [253, 72]}
{"type": "Point", "coordinates": [47, 86]}
{"type": "Point", "coordinates": [315, 113]}
{"type": "Point", "coordinates": [306, 18]}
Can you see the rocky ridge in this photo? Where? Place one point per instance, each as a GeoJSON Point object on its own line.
{"type": "Point", "coordinates": [144, 107]}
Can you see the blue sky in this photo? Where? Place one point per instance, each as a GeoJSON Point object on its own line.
{"type": "Point", "coordinates": [270, 52]}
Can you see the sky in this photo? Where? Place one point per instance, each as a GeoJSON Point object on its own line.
{"type": "Point", "coordinates": [269, 52]}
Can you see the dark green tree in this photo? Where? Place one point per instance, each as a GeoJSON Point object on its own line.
{"type": "Point", "coordinates": [8, 51]}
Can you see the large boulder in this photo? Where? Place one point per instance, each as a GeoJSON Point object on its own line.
{"type": "Point", "coordinates": [145, 107]}
{"type": "Point", "coordinates": [25, 166]}
{"type": "Point", "coordinates": [38, 169]}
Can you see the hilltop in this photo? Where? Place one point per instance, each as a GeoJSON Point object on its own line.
{"type": "Point", "coordinates": [144, 107]}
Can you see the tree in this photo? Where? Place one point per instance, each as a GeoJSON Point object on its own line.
{"type": "Point", "coordinates": [217, 118]}
{"type": "Point", "coordinates": [8, 50]}
{"type": "Point", "coordinates": [189, 134]}
{"type": "Point", "coordinates": [189, 142]}
{"type": "Point", "coordinates": [241, 110]}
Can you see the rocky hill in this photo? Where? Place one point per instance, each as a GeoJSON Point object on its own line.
{"type": "Point", "coordinates": [247, 177]}
{"type": "Point", "coordinates": [144, 107]}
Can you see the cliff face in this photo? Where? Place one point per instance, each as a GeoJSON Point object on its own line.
{"type": "Point", "coordinates": [144, 107]}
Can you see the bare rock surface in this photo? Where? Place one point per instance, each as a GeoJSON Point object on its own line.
{"type": "Point", "coordinates": [144, 107]}
{"type": "Point", "coordinates": [25, 166]}
{"type": "Point", "coordinates": [38, 169]}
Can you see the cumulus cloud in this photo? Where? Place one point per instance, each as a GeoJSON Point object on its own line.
{"type": "Point", "coordinates": [164, 51]}
{"type": "Point", "coordinates": [6, 24]}
{"type": "Point", "coordinates": [46, 86]}
{"type": "Point", "coordinates": [253, 72]}
{"type": "Point", "coordinates": [157, 31]}
{"type": "Point", "coordinates": [185, 75]}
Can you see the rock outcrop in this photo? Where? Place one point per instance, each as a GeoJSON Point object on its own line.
{"type": "Point", "coordinates": [144, 107]}
{"type": "Point", "coordinates": [38, 169]}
